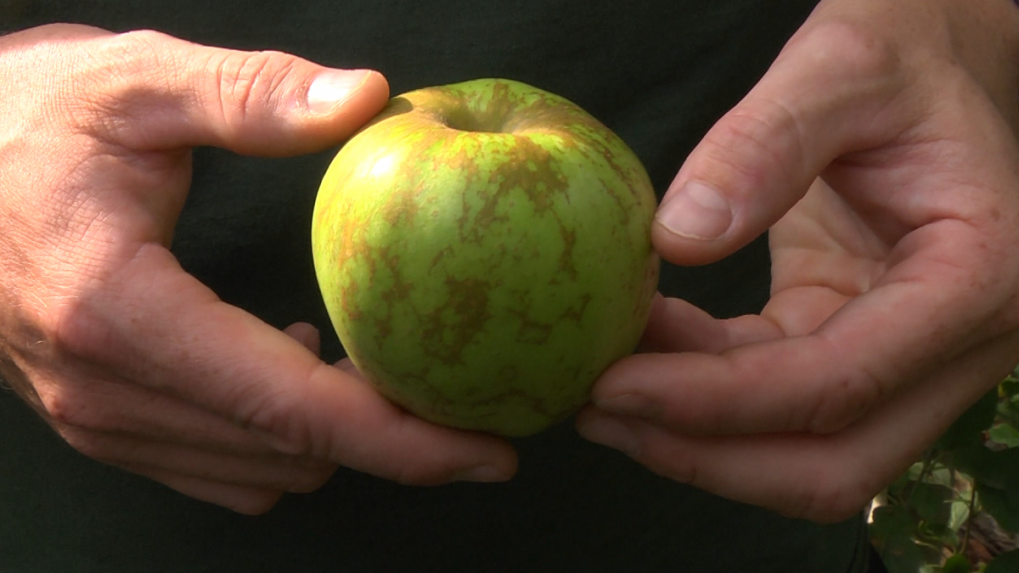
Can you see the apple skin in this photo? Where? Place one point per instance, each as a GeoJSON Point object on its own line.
{"type": "Point", "coordinates": [484, 252]}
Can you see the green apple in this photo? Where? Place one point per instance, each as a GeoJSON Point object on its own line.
{"type": "Point", "coordinates": [484, 252]}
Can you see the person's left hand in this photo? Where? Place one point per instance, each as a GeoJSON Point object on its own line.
{"type": "Point", "coordinates": [882, 147]}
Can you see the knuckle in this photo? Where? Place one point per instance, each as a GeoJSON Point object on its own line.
{"type": "Point", "coordinates": [271, 417]}
{"type": "Point", "coordinates": [249, 84]}
{"type": "Point", "coordinates": [759, 128]}
{"type": "Point", "coordinates": [422, 466]}
{"type": "Point", "coordinates": [110, 79]}
{"type": "Point", "coordinates": [58, 407]}
{"type": "Point", "coordinates": [121, 60]}
{"type": "Point", "coordinates": [67, 408]}
{"type": "Point", "coordinates": [848, 49]}
{"type": "Point", "coordinates": [129, 43]}
{"type": "Point", "coordinates": [276, 415]}
{"type": "Point", "coordinates": [78, 332]}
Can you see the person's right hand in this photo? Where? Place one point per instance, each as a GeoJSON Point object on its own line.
{"type": "Point", "coordinates": [133, 361]}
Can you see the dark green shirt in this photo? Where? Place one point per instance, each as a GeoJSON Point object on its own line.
{"type": "Point", "coordinates": [659, 73]}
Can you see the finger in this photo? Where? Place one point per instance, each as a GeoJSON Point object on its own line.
{"type": "Point", "coordinates": [347, 366]}
{"type": "Point", "coordinates": [158, 92]}
{"type": "Point", "coordinates": [307, 335]}
{"type": "Point", "coordinates": [81, 399]}
{"type": "Point", "coordinates": [244, 500]}
{"type": "Point", "coordinates": [819, 477]}
{"type": "Point", "coordinates": [829, 92]}
{"type": "Point", "coordinates": [172, 334]}
{"type": "Point", "coordinates": [678, 326]}
{"type": "Point", "coordinates": [824, 380]}
{"type": "Point", "coordinates": [267, 471]}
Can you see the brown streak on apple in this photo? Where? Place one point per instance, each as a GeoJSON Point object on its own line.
{"type": "Point", "coordinates": [441, 406]}
{"type": "Point", "coordinates": [536, 332]}
{"type": "Point", "coordinates": [566, 263]}
{"type": "Point", "coordinates": [400, 290]}
{"type": "Point", "coordinates": [446, 338]}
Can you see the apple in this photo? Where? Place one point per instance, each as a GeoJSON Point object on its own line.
{"type": "Point", "coordinates": [484, 252]}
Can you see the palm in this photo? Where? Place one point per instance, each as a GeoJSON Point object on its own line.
{"type": "Point", "coordinates": [824, 253]}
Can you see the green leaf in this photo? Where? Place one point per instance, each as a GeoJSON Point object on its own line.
{"type": "Point", "coordinates": [959, 514]}
{"type": "Point", "coordinates": [1005, 434]}
{"type": "Point", "coordinates": [957, 564]}
{"type": "Point", "coordinates": [1008, 404]}
{"type": "Point", "coordinates": [937, 535]}
{"type": "Point", "coordinates": [997, 480]}
{"type": "Point", "coordinates": [1002, 504]}
{"type": "Point", "coordinates": [1004, 563]}
{"type": "Point", "coordinates": [892, 533]}
{"type": "Point", "coordinates": [969, 428]}
{"type": "Point", "coordinates": [932, 502]}
{"type": "Point", "coordinates": [1010, 386]}
{"type": "Point", "coordinates": [941, 475]}
{"type": "Point", "coordinates": [997, 469]}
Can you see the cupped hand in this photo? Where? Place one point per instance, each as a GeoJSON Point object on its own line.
{"type": "Point", "coordinates": [881, 150]}
{"type": "Point", "coordinates": [130, 359]}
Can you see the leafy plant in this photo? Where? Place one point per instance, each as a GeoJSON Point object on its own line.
{"type": "Point", "coordinates": [923, 522]}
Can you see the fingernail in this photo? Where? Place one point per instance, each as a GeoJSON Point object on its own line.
{"type": "Point", "coordinates": [483, 474]}
{"type": "Point", "coordinates": [611, 433]}
{"type": "Point", "coordinates": [630, 405]}
{"type": "Point", "coordinates": [696, 211]}
{"type": "Point", "coordinates": [332, 87]}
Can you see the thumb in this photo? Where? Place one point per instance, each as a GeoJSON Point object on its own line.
{"type": "Point", "coordinates": [827, 94]}
{"type": "Point", "coordinates": [163, 92]}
